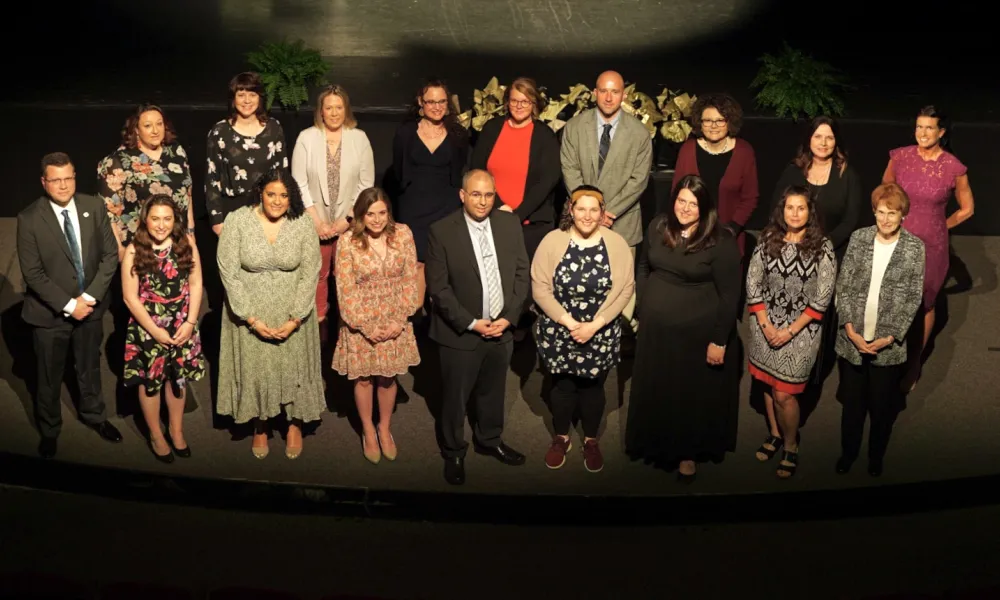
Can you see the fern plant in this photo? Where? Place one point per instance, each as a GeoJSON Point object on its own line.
{"type": "Point", "coordinates": [794, 84]}
{"type": "Point", "coordinates": [287, 69]}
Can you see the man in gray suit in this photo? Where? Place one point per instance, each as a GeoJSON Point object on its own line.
{"type": "Point", "coordinates": [613, 151]}
{"type": "Point", "coordinates": [68, 257]}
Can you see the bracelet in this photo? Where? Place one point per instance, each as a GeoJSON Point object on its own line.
{"type": "Point", "coordinates": [192, 322]}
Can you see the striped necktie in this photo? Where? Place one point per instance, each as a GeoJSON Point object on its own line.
{"type": "Point", "coordinates": [602, 150]}
{"type": "Point", "coordinates": [492, 273]}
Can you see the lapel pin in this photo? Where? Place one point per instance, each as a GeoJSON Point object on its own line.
{"type": "Point", "coordinates": [85, 215]}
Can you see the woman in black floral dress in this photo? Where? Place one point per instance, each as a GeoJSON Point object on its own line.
{"type": "Point", "coordinates": [149, 161]}
{"type": "Point", "coordinates": [161, 281]}
{"type": "Point", "coordinates": [581, 277]}
{"type": "Point", "coordinates": [241, 148]}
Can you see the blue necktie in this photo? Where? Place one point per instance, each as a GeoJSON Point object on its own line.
{"type": "Point", "coordinates": [74, 249]}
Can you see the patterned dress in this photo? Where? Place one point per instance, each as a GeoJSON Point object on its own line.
{"type": "Point", "coordinates": [928, 183]}
{"type": "Point", "coordinates": [581, 282]}
{"type": "Point", "coordinates": [373, 292]}
{"type": "Point", "coordinates": [126, 178]}
{"type": "Point", "coordinates": [787, 286]}
{"type": "Point", "coordinates": [236, 162]}
{"type": "Point", "coordinates": [260, 378]}
{"type": "Point", "coordinates": [166, 296]}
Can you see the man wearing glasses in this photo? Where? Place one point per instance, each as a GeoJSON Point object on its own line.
{"type": "Point", "coordinates": [68, 256]}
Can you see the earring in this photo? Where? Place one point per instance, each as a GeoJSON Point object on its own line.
{"type": "Point", "coordinates": [421, 112]}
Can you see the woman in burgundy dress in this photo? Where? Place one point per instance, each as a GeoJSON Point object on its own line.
{"type": "Point", "coordinates": [726, 163]}
{"type": "Point", "coordinates": [928, 173]}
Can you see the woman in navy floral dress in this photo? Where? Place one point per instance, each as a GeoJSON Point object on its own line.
{"type": "Point", "coordinates": [161, 281]}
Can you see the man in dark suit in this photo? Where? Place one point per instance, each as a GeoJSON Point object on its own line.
{"type": "Point", "coordinates": [478, 278]}
{"type": "Point", "coordinates": [68, 256]}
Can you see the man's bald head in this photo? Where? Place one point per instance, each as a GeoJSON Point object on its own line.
{"type": "Point", "coordinates": [610, 92]}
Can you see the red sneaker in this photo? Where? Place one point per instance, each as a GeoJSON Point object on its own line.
{"type": "Point", "coordinates": [592, 458]}
{"type": "Point", "coordinates": [556, 456]}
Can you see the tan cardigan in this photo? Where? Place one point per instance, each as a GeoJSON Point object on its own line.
{"type": "Point", "coordinates": [551, 251]}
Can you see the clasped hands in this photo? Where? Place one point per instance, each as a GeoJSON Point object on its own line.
{"type": "Point", "coordinates": [83, 308]}
{"type": "Point", "coordinates": [581, 332]}
{"type": "Point", "coordinates": [328, 231]}
{"type": "Point", "coordinates": [386, 332]}
{"type": "Point", "coordinates": [774, 336]}
{"type": "Point", "coordinates": [864, 347]}
{"type": "Point", "coordinates": [183, 334]}
{"type": "Point", "coordinates": [280, 333]}
{"type": "Point", "coordinates": [491, 329]}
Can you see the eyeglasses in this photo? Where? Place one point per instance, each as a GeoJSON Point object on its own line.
{"type": "Point", "coordinates": [479, 195]}
{"type": "Point", "coordinates": [521, 103]}
{"type": "Point", "coordinates": [713, 122]}
{"type": "Point", "coordinates": [63, 180]}
{"type": "Point", "coordinates": [435, 102]}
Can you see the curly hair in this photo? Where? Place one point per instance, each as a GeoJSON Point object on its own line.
{"type": "Point", "coordinates": [295, 206]}
{"type": "Point", "coordinates": [773, 236]}
{"type": "Point", "coordinates": [365, 200]}
{"type": "Point", "coordinates": [450, 118]}
{"type": "Point", "coordinates": [566, 218]}
{"type": "Point", "coordinates": [707, 232]}
{"type": "Point", "coordinates": [146, 262]}
{"type": "Point", "coordinates": [727, 106]}
{"type": "Point", "coordinates": [804, 156]}
{"type": "Point", "coordinates": [130, 132]}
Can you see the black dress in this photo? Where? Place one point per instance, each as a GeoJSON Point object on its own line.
{"type": "Point", "coordinates": [680, 407]}
{"type": "Point", "coordinates": [236, 162]}
{"type": "Point", "coordinates": [429, 194]}
{"type": "Point", "coordinates": [838, 202]}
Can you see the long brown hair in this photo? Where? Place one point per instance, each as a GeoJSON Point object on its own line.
{"type": "Point", "coordinates": [804, 157]}
{"type": "Point", "coordinates": [361, 206]}
{"type": "Point", "coordinates": [130, 133]}
{"type": "Point", "coordinates": [773, 236]}
{"type": "Point", "coordinates": [707, 232]}
{"type": "Point", "coordinates": [146, 262]}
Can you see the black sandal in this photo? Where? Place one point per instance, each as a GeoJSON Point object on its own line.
{"type": "Point", "coordinates": [765, 454]}
{"type": "Point", "coordinates": [786, 471]}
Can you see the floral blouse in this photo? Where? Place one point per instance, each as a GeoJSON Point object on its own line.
{"type": "Point", "coordinates": [236, 162]}
{"type": "Point", "coordinates": [126, 178]}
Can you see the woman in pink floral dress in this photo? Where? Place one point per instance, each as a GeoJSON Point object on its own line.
{"type": "Point", "coordinates": [928, 173]}
{"type": "Point", "coordinates": [161, 283]}
{"type": "Point", "coordinates": [376, 274]}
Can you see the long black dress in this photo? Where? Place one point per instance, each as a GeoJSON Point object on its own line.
{"type": "Point", "coordinates": [680, 407]}
{"type": "Point", "coordinates": [429, 194]}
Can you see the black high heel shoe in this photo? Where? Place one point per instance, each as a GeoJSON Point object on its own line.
{"type": "Point", "coordinates": [163, 458]}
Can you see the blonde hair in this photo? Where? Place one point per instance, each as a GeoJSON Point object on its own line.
{"type": "Point", "coordinates": [334, 90]}
{"type": "Point", "coordinates": [529, 88]}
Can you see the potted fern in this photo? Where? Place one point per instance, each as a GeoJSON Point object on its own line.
{"type": "Point", "coordinates": [287, 69]}
{"type": "Point", "coordinates": [794, 84]}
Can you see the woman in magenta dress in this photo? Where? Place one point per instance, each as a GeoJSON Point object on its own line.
{"type": "Point", "coordinates": [928, 173]}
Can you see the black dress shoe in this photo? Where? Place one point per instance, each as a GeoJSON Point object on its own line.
{"type": "Point", "coordinates": [504, 454]}
{"type": "Point", "coordinates": [454, 470]}
{"type": "Point", "coordinates": [844, 464]}
{"type": "Point", "coordinates": [163, 458]}
{"type": "Point", "coordinates": [47, 447]}
{"type": "Point", "coordinates": [108, 431]}
{"type": "Point", "coordinates": [183, 452]}
{"type": "Point", "coordinates": [875, 467]}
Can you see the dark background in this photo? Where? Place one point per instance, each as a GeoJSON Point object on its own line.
{"type": "Point", "coordinates": [78, 68]}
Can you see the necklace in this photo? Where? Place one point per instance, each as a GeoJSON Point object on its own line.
{"type": "Point", "coordinates": [704, 146]}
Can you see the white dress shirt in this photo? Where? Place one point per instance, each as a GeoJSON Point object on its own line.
{"type": "Point", "coordinates": [74, 220]}
{"type": "Point", "coordinates": [474, 228]}
{"type": "Point", "coordinates": [601, 123]}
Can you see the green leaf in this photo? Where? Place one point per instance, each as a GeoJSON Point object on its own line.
{"type": "Point", "coordinates": [287, 69]}
{"type": "Point", "coordinates": [794, 84]}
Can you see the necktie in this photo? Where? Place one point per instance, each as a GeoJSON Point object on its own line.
{"type": "Point", "coordinates": [492, 274]}
{"type": "Point", "coordinates": [602, 150]}
{"type": "Point", "coordinates": [74, 248]}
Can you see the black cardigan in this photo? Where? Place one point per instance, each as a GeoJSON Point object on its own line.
{"type": "Point", "coordinates": [544, 168]}
{"type": "Point", "coordinates": [406, 135]}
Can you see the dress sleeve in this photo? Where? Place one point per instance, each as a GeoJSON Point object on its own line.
{"type": "Point", "coordinates": [214, 176]}
{"type": "Point", "coordinates": [111, 178]}
{"type": "Point", "coordinates": [840, 234]}
{"type": "Point", "coordinates": [756, 279]}
{"type": "Point", "coordinates": [231, 266]}
{"type": "Point", "coordinates": [308, 271]}
{"type": "Point", "coordinates": [726, 273]}
{"type": "Point", "coordinates": [409, 296]}
{"type": "Point", "coordinates": [355, 310]}
{"type": "Point", "coordinates": [826, 282]}
{"type": "Point", "coordinates": [280, 151]}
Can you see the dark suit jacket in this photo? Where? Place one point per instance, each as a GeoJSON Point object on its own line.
{"type": "Point", "coordinates": [455, 284]}
{"type": "Point", "coordinates": [47, 266]}
{"type": "Point", "coordinates": [544, 170]}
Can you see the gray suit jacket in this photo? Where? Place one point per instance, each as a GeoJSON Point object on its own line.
{"type": "Point", "coordinates": [46, 265]}
{"type": "Point", "coordinates": [626, 168]}
{"type": "Point", "coordinates": [898, 300]}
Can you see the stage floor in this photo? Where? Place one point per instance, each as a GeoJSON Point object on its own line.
{"type": "Point", "coordinates": [948, 429]}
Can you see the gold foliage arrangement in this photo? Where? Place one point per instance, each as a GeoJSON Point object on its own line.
{"type": "Point", "coordinates": [667, 113]}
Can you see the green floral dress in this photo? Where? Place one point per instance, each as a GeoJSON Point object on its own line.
{"type": "Point", "coordinates": [166, 295]}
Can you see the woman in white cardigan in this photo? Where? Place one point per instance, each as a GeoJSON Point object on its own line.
{"type": "Point", "coordinates": [332, 164]}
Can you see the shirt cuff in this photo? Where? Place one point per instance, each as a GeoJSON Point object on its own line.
{"type": "Point", "coordinates": [88, 297]}
{"type": "Point", "coordinates": [472, 325]}
{"type": "Point", "coordinates": [70, 307]}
